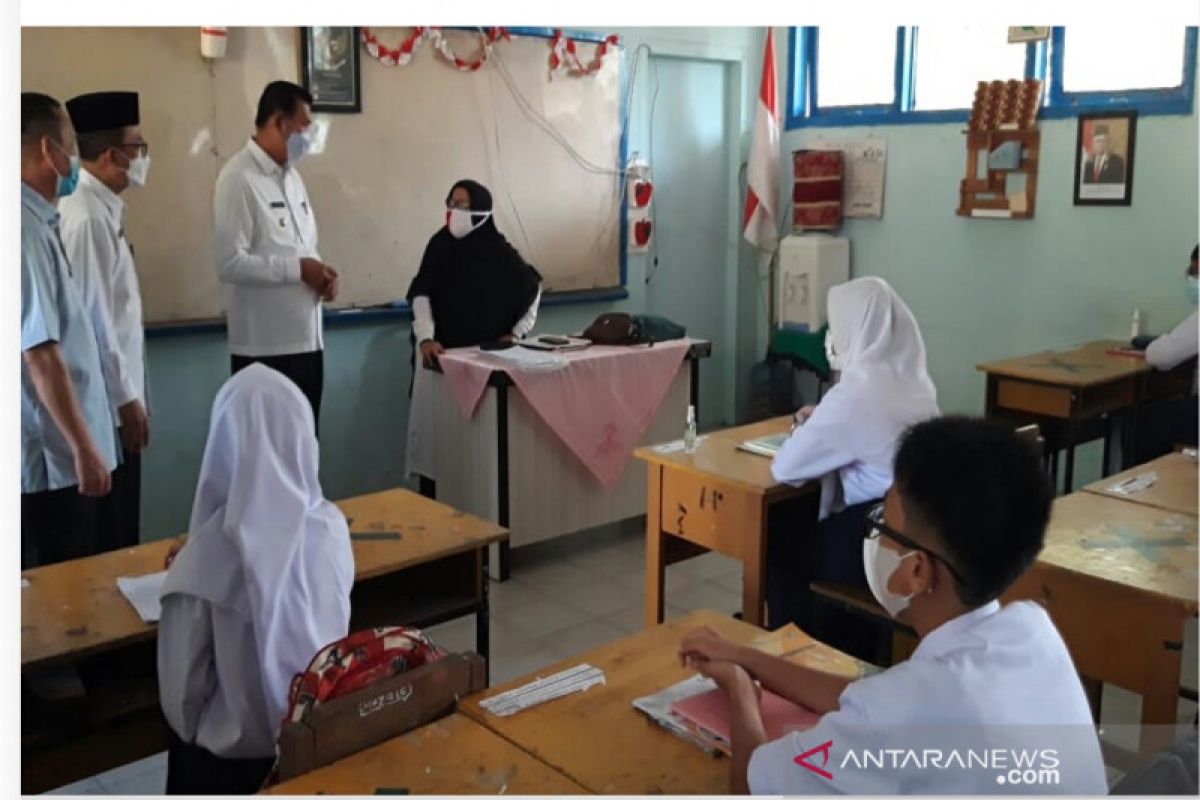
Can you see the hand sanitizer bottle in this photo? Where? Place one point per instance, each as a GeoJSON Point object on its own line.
{"type": "Point", "coordinates": [689, 431]}
{"type": "Point", "coordinates": [1135, 329]}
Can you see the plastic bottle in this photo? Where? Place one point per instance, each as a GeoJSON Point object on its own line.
{"type": "Point", "coordinates": [689, 431]}
{"type": "Point", "coordinates": [1135, 329]}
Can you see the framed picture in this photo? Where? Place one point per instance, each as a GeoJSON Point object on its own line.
{"type": "Point", "coordinates": [329, 69]}
{"type": "Point", "coordinates": [1026, 33]}
{"type": "Point", "coordinates": [1104, 152]}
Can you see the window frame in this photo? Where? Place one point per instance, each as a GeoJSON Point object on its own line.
{"type": "Point", "coordinates": [1043, 60]}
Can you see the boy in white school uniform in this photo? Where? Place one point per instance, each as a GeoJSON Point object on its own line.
{"type": "Point", "coordinates": [989, 702]}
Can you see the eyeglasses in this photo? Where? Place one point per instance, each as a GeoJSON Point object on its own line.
{"type": "Point", "coordinates": [876, 526]}
{"type": "Point", "coordinates": [463, 206]}
{"type": "Point", "coordinates": [142, 147]}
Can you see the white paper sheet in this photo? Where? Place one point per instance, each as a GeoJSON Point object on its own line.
{"type": "Point", "coordinates": [144, 593]}
{"type": "Point", "coordinates": [525, 359]}
{"type": "Point", "coordinates": [579, 678]}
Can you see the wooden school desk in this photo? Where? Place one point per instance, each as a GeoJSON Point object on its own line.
{"type": "Point", "coordinates": [1068, 393]}
{"type": "Point", "coordinates": [73, 613]}
{"type": "Point", "coordinates": [1119, 581]}
{"type": "Point", "coordinates": [716, 498]}
{"type": "Point", "coordinates": [600, 741]}
{"type": "Point", "coordinates": [453, 755]}
{"type": "Point", "coordinates": [1175, 489]}
{"type": "Point", "coordinates": [505, 464]}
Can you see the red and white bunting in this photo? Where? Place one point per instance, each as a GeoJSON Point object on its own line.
{"type": "Point", "coordinates": [392, 57]}
{"type": "Point", "coordinates": [563, 54]}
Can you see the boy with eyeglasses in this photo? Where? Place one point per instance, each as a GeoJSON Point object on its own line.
{"type": "Point", "coordinates": [988, 702]}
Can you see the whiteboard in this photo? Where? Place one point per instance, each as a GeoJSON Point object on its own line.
{"type": "Point", "coordinates": [379, 181]}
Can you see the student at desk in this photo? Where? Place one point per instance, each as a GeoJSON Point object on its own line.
{"type": "Point", "coordinates": [966, 516]}
{"type": "Point", "coordinates": [262, 584]}
{"type": "Point", "coordinates": [847, 442]}
{"type": "Point", "coordinates": [1165, 425]}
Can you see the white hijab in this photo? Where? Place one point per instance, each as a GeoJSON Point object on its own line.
{"type": "Point", "coordinates": [850, 440]}
{"type": "Point", "coordinates": [264, 542]}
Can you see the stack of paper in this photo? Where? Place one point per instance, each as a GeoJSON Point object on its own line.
{"type": "Point", "coordinates": [144, 593]}
{"type": "Point", "coordinates": [1138, 483]}
{"type": "Point", "coordinates": [525, 359]}
{"type": "Point", "coordinates": [576, 679]}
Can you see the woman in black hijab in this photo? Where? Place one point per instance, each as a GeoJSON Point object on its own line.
{"type": "Point", "coordinates": [473, 287]}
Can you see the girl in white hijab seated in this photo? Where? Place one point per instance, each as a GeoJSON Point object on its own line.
{"type": "Point", "coordinates": [848, 443]}
{"type": "Point", "coordinates": [261, 585]}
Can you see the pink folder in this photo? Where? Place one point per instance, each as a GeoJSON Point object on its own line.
{"type": "Point", "coordinates": [708, 715]}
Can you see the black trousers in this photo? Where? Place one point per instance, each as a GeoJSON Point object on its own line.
{"type": "Point", "coordinates": [832, 552]}
{"type": "Point", "coordinates": [1164, 425]}
{"type": "Point", "coordinates": [191, 769]}
{"type": "Point", "coordinates": [118, 514]}
{"type": "Point", "coordinates": [57, 526]}
{"type": "Point", "coordinates": [307, 370]}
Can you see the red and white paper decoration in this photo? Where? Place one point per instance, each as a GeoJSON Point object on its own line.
{"type": "Point", "coordinates": [563, 55]}
{"type": "Point", "coordinates": [640, 220]}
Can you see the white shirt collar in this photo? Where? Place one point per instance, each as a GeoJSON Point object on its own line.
{"type": "Point", "coordinates": [945, 637]}
{"type": "Point", "coordinates": [264, 161]}
{"type": "Point", "coordinates": [107, 197]}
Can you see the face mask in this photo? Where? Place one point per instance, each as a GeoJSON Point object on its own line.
{"type": "Point", "coordinates": [298, 146]}
{"type": "Point", "coordinates": [1193, 290]}
{"type": "Point", "coordinates": [458, 221]}
{"type": "Point", "coordinates": [880, 563]}
{"type": "Point", "coordinates": [138, 169]}
{"type": "Point", "coordinates": [835, 361]}
{"type": "Point", "coordinates": [66, 184]}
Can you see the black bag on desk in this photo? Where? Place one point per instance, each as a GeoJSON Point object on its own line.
{"type": "Point", "coordinates": [616, 328]}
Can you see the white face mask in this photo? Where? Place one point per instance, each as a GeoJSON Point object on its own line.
{"type": "Point", "coordinates": [459, 223]}
{"type": "Point", "coordinates": [298, 146]}
{"type": "Point", "coordinates": [138, 170]}
{"type": "Point", "coordinates": [880, 563]}
{"type": "Point", "coordinates": [835, 361]}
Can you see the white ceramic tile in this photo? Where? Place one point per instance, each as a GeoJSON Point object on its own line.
{"type": "Point", "coordinates": [455, 636]}
{"type": "Point", "coordinates": [512, 595]}
{"type": "Point", "coordinates": [152, 782]}
{"type": "Point", "coordinates": [731, 581]}
{"type": "Point", "coordinates": [616, 563]}
{"type": "Point", "coordinates": [538, 621]}
{"type": "Point", "coordinates": [557, 579]}
{"type": "Point", "coordinates": [705, 595]}
{"type": "Point", "coordinates": [602, 596]}
{"type": "Point", "coordinates": [703, 568]}
{"type": "Point", "coordinates": [631, 620]}
{"type": "Point", "coordinates": [574, 641]}
{"type": "Point", "coordinates": [506, 669]}
{"type": "Point", "coordinates": [83, 787]}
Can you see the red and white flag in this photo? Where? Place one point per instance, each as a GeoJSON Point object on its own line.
{"type": "Point", "coordinates": [760, 222]}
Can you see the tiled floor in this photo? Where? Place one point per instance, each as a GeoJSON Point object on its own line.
{"type": "Point", "coordinates": [573, 593]}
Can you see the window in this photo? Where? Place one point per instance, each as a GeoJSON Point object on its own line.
{"type": "Point", "coordinates": [856, 66]}
{"type": "Point", "coordinates": [1111, 59]}
{"type": "Point", "coordinates": [951, 60]}
{"type": "Point", "coordinates": [855, 76]}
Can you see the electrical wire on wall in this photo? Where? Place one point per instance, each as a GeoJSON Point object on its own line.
{"type": "Point", "coordinates": [618, 174]}
{"type": "Point", "coordinates": [652, 261]}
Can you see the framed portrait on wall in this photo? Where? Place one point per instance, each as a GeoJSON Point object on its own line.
{"type": "Point", "coordinates": [1104, 150]}
{"type": "Point", "coordinates": [329, 69]}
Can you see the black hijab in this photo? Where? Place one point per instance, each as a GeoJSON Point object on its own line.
{"type": "Point", "coordinates": [478, 286]}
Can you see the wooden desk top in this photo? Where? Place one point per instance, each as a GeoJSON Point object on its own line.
{"type": "Point", "coordinates": [75, 608]}
{"type": "Point", "coordinates": [1175, 489]}
{"type": "Point", "coordinates": [717, 454]}
{"type": "Point", "coordinates": [453, 755]}
{"type": "Point", "coordinates": [1086, 365]}
{"type": "Point", "coordinates": [1147, 549]}
{"type": "Point", "coordinates": [598, 739]}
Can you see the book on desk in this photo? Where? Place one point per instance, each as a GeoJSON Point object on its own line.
{"type": "Point", "coordinates": [766, 446]}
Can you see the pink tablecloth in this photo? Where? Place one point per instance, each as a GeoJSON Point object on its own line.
{"type": "Point", "coordinates": [599, 404]}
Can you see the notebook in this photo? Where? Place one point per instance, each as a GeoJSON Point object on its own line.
{"type": "Point", "coordinates": [707, 716]}
{"type": "Point", "coordinates": [562, 344]}
{"type": "Point", "coordinates": [765, 445]}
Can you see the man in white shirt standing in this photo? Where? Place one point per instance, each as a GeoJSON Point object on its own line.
{"type": "Point", "coordinates": [267, 246]}
{"type": "Point", "coordinates": [92, 225]}
{"type": "Point", "coordinates": [988, 703]}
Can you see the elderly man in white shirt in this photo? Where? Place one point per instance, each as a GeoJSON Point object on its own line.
{"type": "Point", "coordinates": [267, 247]}
{"type": "Point", "coordinates": [1162, 426]}
{"type": "Point", "coordinates": [989, 702]}
{"type": "Point", "coordinates": [92, 226]}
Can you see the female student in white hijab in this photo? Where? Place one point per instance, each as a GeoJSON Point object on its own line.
{"type": "Point", "coordinates": [847, 442]}
{"type": "Point", "coordinates": [261, 585]}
